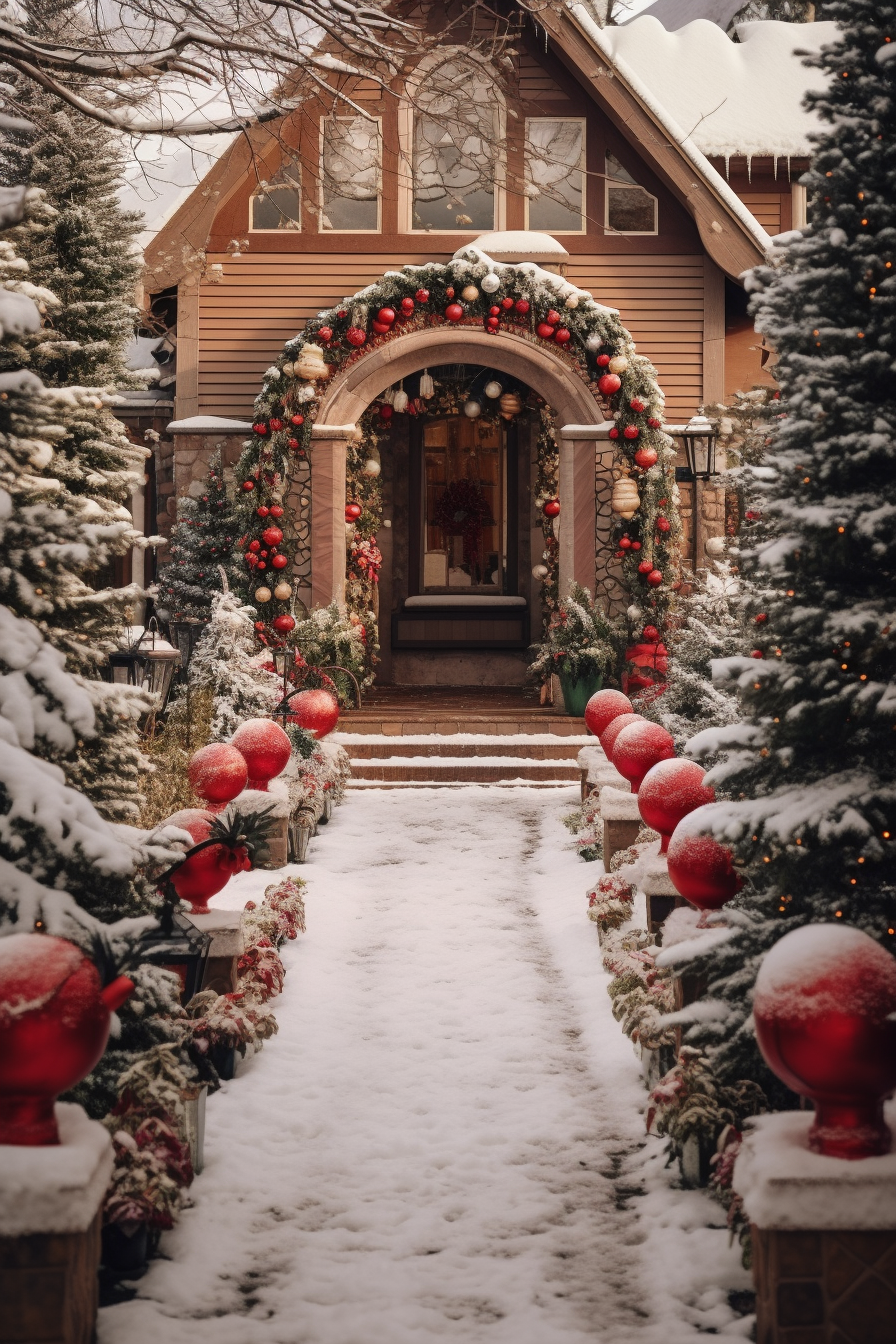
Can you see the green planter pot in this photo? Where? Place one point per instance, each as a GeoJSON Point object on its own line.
{"type": "Point", "coordinates": [576, 694]}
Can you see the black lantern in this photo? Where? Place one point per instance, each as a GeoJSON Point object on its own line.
{"type": "Point", "coordinates": [158, 667]}
{"type": "Point", "coordinates": [178, 946]}
{"type": "Point", "coordinates": [283, 660]}
{"type": "Point", "coordinates": [699, 436]}
{"type": "Point", "coordinates": [185, 636]}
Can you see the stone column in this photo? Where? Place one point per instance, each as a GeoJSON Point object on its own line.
{"type": "Point", "coordinates": [328, 457]}
{"type": "Point", "coordinates": [587, 456]}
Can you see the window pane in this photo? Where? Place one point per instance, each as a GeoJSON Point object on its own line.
{"type": "Point", "coordinates": [616, 171]}
{"type": "Point", "coordinates": [554, 177]}
{"type": "Point", "coordinates": [463, 506]}
{"type": "Point", "coordinates": [630, 210]}
{"type": "Point", "coordinates": [454, 151]}
{"type": "Point", "coordinates": [276, 208]}
{"type": "Point", "coordinates": [350, 174]}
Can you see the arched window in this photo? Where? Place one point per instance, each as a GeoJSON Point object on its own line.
{"type": "Point", "coordinates": [457, 127]}
{"type": "Point", "coordinates": [630, 209]}
{"type": "Point", "coordinates": [277, 204]}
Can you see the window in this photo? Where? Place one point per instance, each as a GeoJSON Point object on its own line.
{"type": "Point", "coordinates": [555, 158]}
{"type": "Point", "coordinates": [457, 126]}
{"type": "Point", "coordinates": [630, 209]}
{"type": "Point", "coordinates": [278, 204]}
{"type": "Point", "coordinates": [350, 174]}
{"type": "Point", "coordinates": [464, 488]}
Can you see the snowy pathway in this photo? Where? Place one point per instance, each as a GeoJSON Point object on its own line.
{"type": "Point", "coordinates": [443, 1141]}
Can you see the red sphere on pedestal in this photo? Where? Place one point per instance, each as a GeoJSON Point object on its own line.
{"type": "Point", "coordinates": [55, 1017]}
{"type": "Point", "coordinates": [217, 773]}
{"type": "Point", "coordinates": [669, 791]}
{"type": "Point", "coordinates": [604, 707]}
{"type": "Point", "coordinates": [701, 870]}
{"type": "Point", "coordinates": [825, 1017]}
{"type": "Point", "coordinates": [614, 728]}
{"type": "Point", "coordinates": [204, 874]}
{"type": "Point", "coordinates": [638, 747]}
{"type": "Point", "coordinates": [317, 711]}
{"type": "Point", "coordinates": [266, 748]}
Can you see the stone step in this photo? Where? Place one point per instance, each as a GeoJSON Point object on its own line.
{"type": "Point", "coordinates": [461, 770]}
{"type": "Point", "coordinates": [360, 784]}
{"type": "Point", "coordinates": [557, 749]}
{"type": "Point", "coordinates": [495, 723]}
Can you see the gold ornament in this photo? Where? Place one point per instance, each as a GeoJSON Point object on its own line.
{"type": "Point", "coordinates": [572, 301]}
{"type": "Point", "coordinates": [469, 294]}
{"type": "Point", "coordinates": [283, 592]}
{"type": "Point", "coordinates": [625, 499]}
{"type": "Point", "coordinates": [510, 405]}
{"type": "Point", "coordinates": [262, 594]}
{"type": "Point", "coordinates": [311, 363]}
{"type": "Point", "coordinates": [618, 364]}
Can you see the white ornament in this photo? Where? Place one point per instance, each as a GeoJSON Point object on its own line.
{"type": "Point", "coordinates": [427, 386]}
{"type": "Point", "coordinates": [493, 389]}
{"type": "Point", "coordinates": [311, 363]}
{"type": "Point", "coordinates": [618, 364]}
{"type": "Point", "coordinates": [371, 467]}
{"type": "Point", "coordinates": [490, 283]}
{"type": "Point", "coordinates": [572, 301]}
{"type": "Point", "coordinates": [388, 396]}
{"type": "Point", "coordinates": [594, 342]}
{"type": "Point", "coordinates": [289, 369]}
{"type": "Point", "coordinates": [540, 571]}
{"type": "Point", "coordinates": [634, 613]}
{"type": "Point", "coordinates": [400, 400]}
{"type": "Point", "coordinates": [469, 294]}
{"type": "Point", "coordinates": [472, 409]}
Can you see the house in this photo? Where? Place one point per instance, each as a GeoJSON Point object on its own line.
{"type": "Point", "coordinates": [649, 167]}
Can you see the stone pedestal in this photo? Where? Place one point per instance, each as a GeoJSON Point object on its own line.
{"type": "Point", "coordinates": [824, 1237]}
{"type": "Point", "coordinates": [662, 898]}
{"type": "Point", "coordinates": [225, 950]}
{"type": "Point", "coordinates": [621, 820]}
{"type": "Point", "coordinates": [50, 1219]}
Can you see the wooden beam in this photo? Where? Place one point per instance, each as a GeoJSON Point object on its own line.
{"type": "Point", "coordinates": [713, 333]}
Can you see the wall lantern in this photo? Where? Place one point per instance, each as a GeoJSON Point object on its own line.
{"type": "Point", "coordinates": [699, 439]}
{"type": "Point", "coordinates": [158, 668]}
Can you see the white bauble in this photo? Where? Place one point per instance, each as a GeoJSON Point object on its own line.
{"type": "Point", "coordinates": [472, 409]}
{"type": "Point", "coordinates": [618, 364]}
{"type": "Point", "coordinates": [400, 401]}
{"type": "Point", "coordinates": [572, 301]}
{"type": "Point", "coordinates": [371, 467]}
{"type": "Point", "coordinates": [469, 294]}
{"type": "Point", "coordinates": [490, 283]}
{"type": "Point", "coordinates": [540, 571]}
{"type": "Point", "coordinates": [262, 594]}
{"type": "Point", "coordinates": [493, 389]}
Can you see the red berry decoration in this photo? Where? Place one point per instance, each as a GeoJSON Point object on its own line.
{"type": "Point", "coordinates": [353, 511]}
{"type": "Point", "coordinates": [631, 431]}
{"type": "Point", "coordinates": [655, 578]}
{"type": "Point", "coordinates": [824, 1010]}
{"type": "Point", "coordinates": [551, 508]}
{"type": "Point", "coordinates": [380, 328]}
{"type": "Point", "coordinates": [761, 618]}
{"type": "Point", "coordinates": [297, 419]}
{"type": "Point", "coordinates": [276, 424]}
{"type": "Point", "coordinates": [562, 336]}
{"type": "Point", "coordinates": [650, 634]}
{"type": "Point", "coordinates": [259, 626]}
{"type": "Point", "coordinates": [283, 624]}
{"type": "Point", "coordinates": [662, 524]}
{"type": "Point", "coordinates": [757, 653]}
{"type": "Point", "coordinates": [217, 773]}
{"type": "Point", "coordinates": [603, 361]}
{"type": "Point", "coordinates": [272, 536]}
{"type": "Point", "coordinates": [266, 748]}
{"type": "Point", "coordinates": [553, 317]}
{"type": "Point", "coordinates": [248, 485]}
{"type": "Point", "coordinates": [260, 427]}
{"type": "Point", "coordinates": [603, 708]}
{"type": "Point", "coordinates": [545, 331]}
{"type": "Point", "coordinates": [449, 292]}
{"type": "Point", "coordinates": [669, 791]}
{"type": "Point", "coordinates": [261, 563]}
{"type": "Point", "coordinates": [53, 1030]}
{"type": "Point", "coordinates": [262, 511]}
{"type": "Point", "coordinates": [316, 711]}
{"type": "Point", "coordinates": [293, 444]}
{"type": "Point", "coordinates": [454, 312]}
{"type": "Point", "coordinates": [636, 545]}
{"type": "Point", "coordinates": [608, 383]}
{"type": "Point", "coordinates": [205, 874]}
{"type": "Point", "coordinates": [386, 315]}
{"type": "Point", "coordinates": [422, 296]}
{"type": "Point", "coordinates": [386, 411]}
{"type": "Point", "coordinates": [255, 545]}
{"type": "Point", "coordinates": [493, 324]}
{"type": "Point", "coordinates": [645, 457]}
{"type": "Point", "coordinates": [609, 734]}
{"type": "Point", "coordinates": [625, 543]}
{"type": "Point", "coordinates": [280, 562]}
{"type": "Point", "coordinates": [700, 868]}
{"type": "Point", "coordinates": [355, 336]}
{"type": "Point", "coordinates": [506, 303]}
{"type": "Point", "coordinates": [325, 334]}
{"type": "Point", "coordinates": [637, 405]}
{"type": "Point", "coordinates": [522, 306]}
{"type": "Point", "coordinates": [654, 423]}
{"type": "Point", "coordinates": [638, 747]}
{"type": "Point", "coordinates": [645, 567]}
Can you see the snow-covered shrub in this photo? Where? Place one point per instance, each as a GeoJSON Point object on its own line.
{"type": "Point", "coordinates": [581, 641]}
{"type": "Point", "coordinates": [610, 901]}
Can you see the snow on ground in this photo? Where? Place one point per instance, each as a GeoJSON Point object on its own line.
{"type": "Point", "coordinates": [445, 1140]}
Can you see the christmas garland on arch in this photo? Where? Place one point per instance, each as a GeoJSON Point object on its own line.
{"type": "Point", "coordinates": [473, 290]}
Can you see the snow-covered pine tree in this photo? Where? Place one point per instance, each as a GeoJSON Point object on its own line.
{"type": "Point", "coordinates": [225, 663]}
{"type": "Point", "coordinates": [811, 770]}
{"type": "Point", "coordinates": [203, 538]}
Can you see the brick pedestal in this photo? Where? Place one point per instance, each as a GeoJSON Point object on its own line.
{"type": "Point", "coordinates": [621, 820]}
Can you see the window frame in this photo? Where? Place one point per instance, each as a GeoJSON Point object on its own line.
{"type": "Point", "coordinates": [618, 185]}
{"type": "Point", "coordinates": [262, 190]}
{"type": "Point", "coordinates": [583, 169]}
{"type": "Point", "coordinates": [321, 179]}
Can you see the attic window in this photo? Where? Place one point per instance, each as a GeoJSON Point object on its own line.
{"type": "Point", "coordinates": [276, 204]}
{"type": "Point", "coordinates": [630, 209]}
{"type": "Point", "coordinates": [555, 161]}
{"type": "Point", "coordinates": [350, 174]}
{"type": "Point", "coordinates": [456, 130]}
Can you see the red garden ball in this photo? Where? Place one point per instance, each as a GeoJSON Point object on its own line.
{"type": "Point", "coordinates": [604, 707]}
{"type": "Point", "coordinates": [701, 870]}
{"type": "Point", "coordinates": [609, 734]}
{"type": "Point", "coordinates": [669, 791]}
{"type": "Point", "coordinates": [55, 1018]}
{"type": "Point", "coordinates": [824, 1010]}
{"type": "Point", "coordinates": [609, 383]}
{"type": "Point", "coordinates": [266, 748]}
{"type": "Point", "coordinates": [217, 773]}
{"type": "Point", "coordinates": [317, 711]}
{"type": "Point", "coordinates": [638, 747]}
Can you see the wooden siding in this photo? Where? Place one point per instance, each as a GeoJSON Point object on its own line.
{"type": "Point", "coordinates": [766, 206]}
{"type": "Point", "coordinates": [264, 299]}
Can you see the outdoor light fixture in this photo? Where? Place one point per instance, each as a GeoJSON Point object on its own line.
{"type": "Point", "coordinates": [185, 636]}
{"type": "Point", "coordinates": [699, 437]}
{"type": "Point", "coordinates": [178, 946]}
{"type": "Point", "coordinates": [157, 668]}
{"type": "Point", "coordinates": [283, 658]}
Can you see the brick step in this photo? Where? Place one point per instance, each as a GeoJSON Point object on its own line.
{"type": "Point", "coordinates": [361, 784]}
{"type": "Point", "coordinates": [412, 769]}
{"type": "Point", "coordinates": [495, 723]}
{"type": "Point", "coordinates": [561, 749]}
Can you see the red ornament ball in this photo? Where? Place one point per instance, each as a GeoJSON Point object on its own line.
{"type": "Point", "coordinates": [494, 311]}
{"type": "Point", "coordinates": [272, 536]}
{"type": "Point", "coordinates": [663, 524]}
{"type": "Point", "coordinates": [259, 626]}
{"type": "Point", "coordinates": [422, 296]}
{"type": "Point", "coordinates": [266, 748]}
{"type": "Point", "coordinates": [761, 618]}
{"type": "Point", "coordinates": [248, 485]}
{"type": "Point", "coordinates": [203, 875]}
{"type": "Point", "coordinates": [553, 317]}
{"type": "Point", "coordinates": [454, 312]}
{"type": "Point", "coordinates": [636, 545]}
{"type": "Point", "coordinates": [316, 711]}
{"type": "Point", "coordinates": [655, 578]}
{"type": "Point", "coordinates": [262, 511]}
{"type": "Point", "coordinates": [493, 323]}
{"type": "Point", "coordinates": [386, 411]}
{"type": "Point", "coordinates": [276, 510]}
{"type": "Point", "coordinates": [608, 383]}
{"type": "Point", "coordinates": [380, 328]}
{"type": "Point", "coordinates": [613, 432]}
{"type": "Point", "coordinates": [636, 405]}
{"type": "Point", "coordinates": [700, 868]}
{"type": "Point", "coordinates": [757, 653]}
{"type": "Point", "coordinates": [386, 315]}
{"type": "Point", "coordinates": [255, 545]}
{"type": "Point", "coordinates": [325, 334]}
{"type": "Point", "coordinates": [603, 708]}
{"type": "Point", "coordinates": [603, 361]}
{"type": "Point", "coordinates": [824, 1010]}
{"type": "Point", "coordinates": [551, 508]}
{"type": "Point", "coordinates": [283, 624]}
{"type": "Point", "coordinates": [625, 543]}
{"type": "Point", "coordinates": [522, 306]}
{"type": "Point", "coordinates": [563, 336]}
{"type": "Point", "coordinates": [407, 306]}
{"type": "Point", "coordinates": [646, 458]}
{"type": "Point", "coordinates": [506, 303]}
{"type": "Point", "coordinates": [297, 419]}
{"type": "Point", "coordinates": [545, 331]}
{"type": "Point", "coordinates": [609, 734]}
{"type": "Point", "coordinates": [353, 511]}
{"type": "Point", "coordinates": [355, 336]}
{"type": "Point", "coordinates": [650, 634]}
{"type": "Point", "coordinates": [669, 791]}
{"type": "Point", "coordinates": [638, 747]}
{"type": "Point", "coordinates": [654, 423]}
{"type": "Point", "coordinates": [631, 431]}
{"type": "Point", "coordinates": [645, 567]}
{"type": "Point", "coordinates": [53, 1033]}
{"type": "Point", "coordinates": [280, 562]}
{"type": "Point", "coordinates": [217, 773]}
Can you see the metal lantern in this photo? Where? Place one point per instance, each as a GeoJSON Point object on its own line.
{"type": "Point", "coordinates": [177, 945]}
{"type": "Point", "coordinates": [302, 825]}
{"type": "Point", "coordinates": [283, 659]}
{"type": "Point", "coordinates": [185, 636]}
{"type": "Point", "coordinates": [158, 667]}
{"type": "Point", "coordinates": [699, 436]}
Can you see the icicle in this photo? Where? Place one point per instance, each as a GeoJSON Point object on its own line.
{"type": "Point", "coordinates": [749, 167]}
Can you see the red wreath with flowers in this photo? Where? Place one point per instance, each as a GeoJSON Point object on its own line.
{"type": "Point", "coordinates": [463, 510]}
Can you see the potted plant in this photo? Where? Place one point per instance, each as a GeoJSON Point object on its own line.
{"type": "Point", "coordinates": [582, 646]}
{"type": "Point", "coordinates": [226, 1024]}
{"type": "Point", "coordinates": [152, 1169]}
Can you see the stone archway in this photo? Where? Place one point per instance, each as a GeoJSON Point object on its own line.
{"type": "Point", "coordinates": [352, 390]}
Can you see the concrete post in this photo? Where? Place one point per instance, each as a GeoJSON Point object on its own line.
{"type": "Point", "coordinates": [328, 471]}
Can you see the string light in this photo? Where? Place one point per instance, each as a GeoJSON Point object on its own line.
{"type": "Point", "coordinates": [841, 529]}
{"type": "Point", "coordinates": [838, 914]}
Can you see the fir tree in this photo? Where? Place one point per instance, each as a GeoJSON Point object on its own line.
{"type": "Point", "coordinates": [202, 540]}
{"type": "Point", "coordinates": [226, 664]}
{"type": "Point", "coordinates": [811, 771]}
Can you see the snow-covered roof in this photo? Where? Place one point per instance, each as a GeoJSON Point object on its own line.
{"type": "Point", "coordinates": [730, 98]}
{"type": "Point", "coordinates": [515, 245]}
{"type": "Point", "coordinates": [161, 173]}
{"type": "Point", "coordinates": [674, 14]}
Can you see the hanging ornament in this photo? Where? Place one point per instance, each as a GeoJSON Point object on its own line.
{"type": "Point", "coordinates": [311, 363]}
{"type": "Point", "coordinates": [353, 511]}
{"type": "Point", "coordinates": [636, 405]}
{"type": "Point", "coordinates": [469, 294]}
{"type": "Point", "coordinates": [603, 708]}
{"type": "Point", "coordinates": [562, 336]}
{"type": "Point", "coordinates": [631, 432]}
{"type": "Point", "coordinates": [297, 419]}
{"type": "Point", "coordinates": [248, 485]}
{"type": "Point", "coordinates": [522, 306]}
{"type": "Point", "coordinates": [427, 387]}
{"type": "Point", "coordinates": [355, 336]}
{"type": "Point", "coordinates": [422, 296]}
{"type": "Point", "coordinates": [625, 499]}
{"type": "Point", "coordinates": [454, 312]}
{"type": "Point", "coordinates": [283, 591]}
{"type": "Point", "coordinates": [507, 303]}
{"type": "Point", "coordinates": [540, 571]}
{"type": "Point", "coordinates": [603, 361]}
{"type": "Point", "coordinates": [646, 458]}
{"type": "Point", "coordinates": [262, 595]}
{"type": "Point", "coordinates": [372, 466]}
{"type": "Point", "coordinates": [283, 624]}
{"type": "Point", "coordinates": [545, 331]}
{"type": "Point", "coordinates": [260, 427]}
{"type": "Point", "coordinates": [663, 524]}
{"type": "Point", "coordinates": [551, 508]}
{"type": "Point", "coordinates": [655, 578]}
{"type": "Point", "coordinates": [276, 510]}
{"type": "Point", "coordinates": [386, 316]}
{"type": "Point", "coordinates": [279, 561]}
{"type": "Point", "coordinates": [490, 283]}
{"type": "Point", "coordinates": [449, 292]}
{"type": "Point", "coordinates": [650, 634]}
{"type": "Point", "coordinates": [400, 400]}
{"type": "Point", "coordinates": [608, 384]}
{"type": "Point", "coordinates": [407, 307]}
{"type": "Point", "coordinates": [325, 334]}
{"type": "Point", "coordinates": [510, 405]}
{"type": "Point", "coordinates": [472, 409]}
{"type": "Point", "coordinates": [492, 389]}
{"type": "Point", "coordinates": [272, 536]}
{"type": "Point", "coordinates": [618, 364]}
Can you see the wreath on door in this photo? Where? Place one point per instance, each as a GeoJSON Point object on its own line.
{"type": "Point", "coordinates": [463, 510]}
